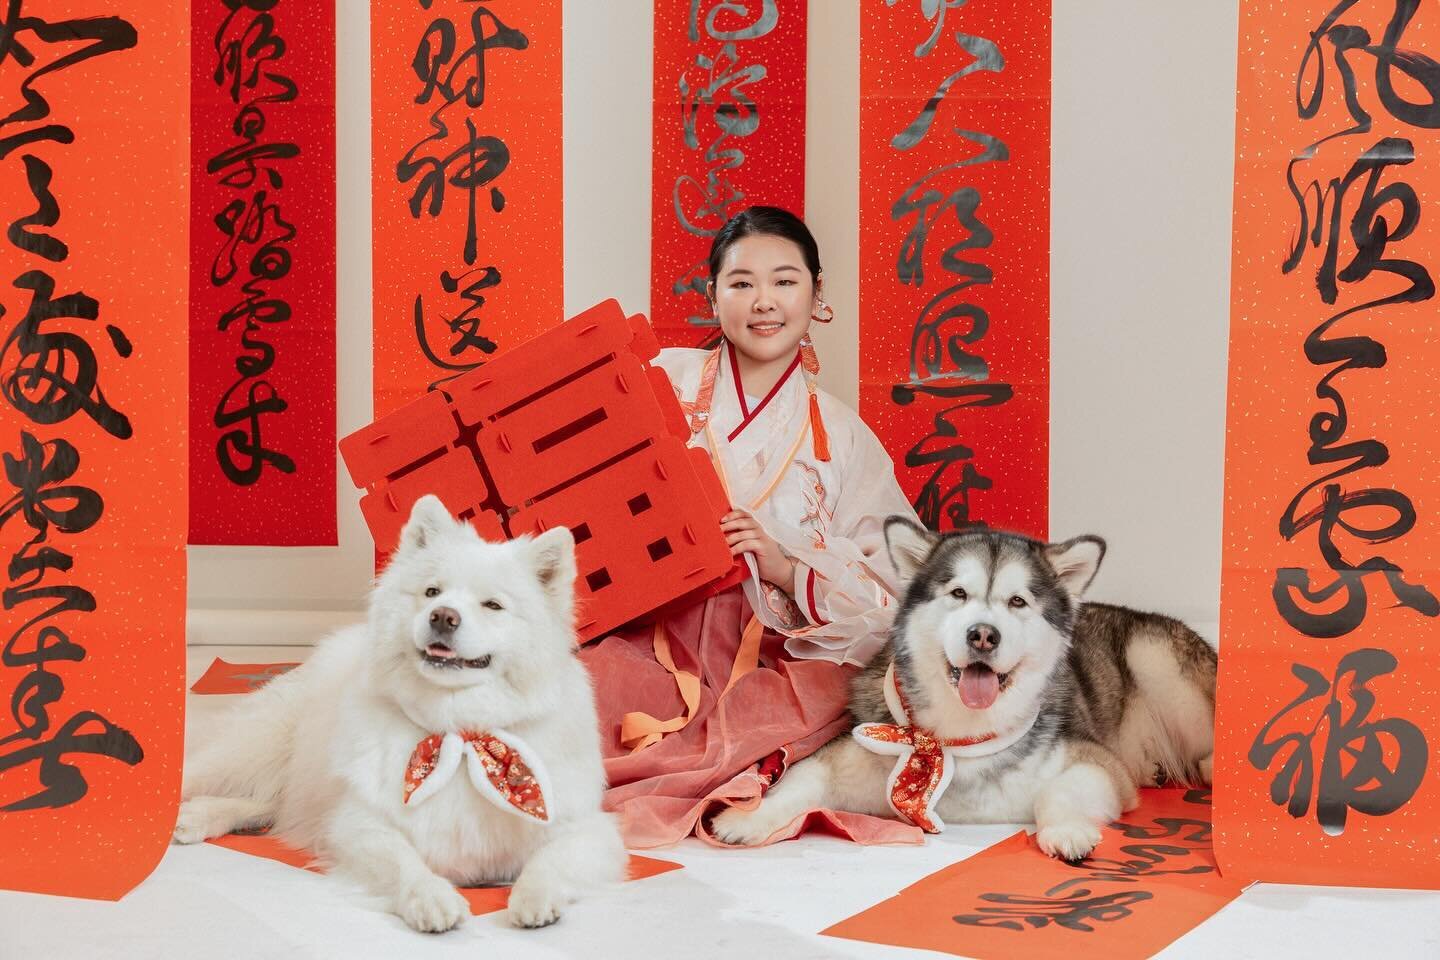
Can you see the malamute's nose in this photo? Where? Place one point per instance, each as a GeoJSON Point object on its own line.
{"type": "Point", "coordinates": [444, 620]}
{"type": "Point", "coordinates": [982, 638]}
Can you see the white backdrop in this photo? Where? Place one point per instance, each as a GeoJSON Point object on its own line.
{"type": "Point", "coordinates": [1142, 159]}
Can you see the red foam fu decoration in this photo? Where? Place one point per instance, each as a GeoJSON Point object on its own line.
{"type": "Point", "coordinates": [574, 429]}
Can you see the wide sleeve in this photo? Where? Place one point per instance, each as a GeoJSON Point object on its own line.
{"type": "Point", "coordinates": [845, 587]}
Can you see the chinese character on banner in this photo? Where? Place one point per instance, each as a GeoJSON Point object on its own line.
{"type": "Point", "coordinates": [728, 133]}
{"type": "Point", "coordinates": [1326, 715]}
{"type": "Point", "coordinates": [93, 496]}
{"type": "Point", "coordinates": [955, 255]}
{"type": "Point", "coordinates": [466, 182]}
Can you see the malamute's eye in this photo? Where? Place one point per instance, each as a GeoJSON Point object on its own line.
{"type": "Point", "coordinates": [492, 605]}
{"type": "Point", "coordinates": [959, 594]}
{"type": "Point", "coordinates": [1018, 602]}
{"type": "Point", "coordinates": [432, 591]}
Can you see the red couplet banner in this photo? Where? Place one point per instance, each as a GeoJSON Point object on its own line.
{"type": "Point", "coordinates": [262, 273]}
{"type": "Point", "coordinates": [93, 190]}
{"type": "Point", "coordinates": [1328, 725]}
{"type": "Point", "coordinates": [466, 186]}
{"type": "Point", "coordinates": [729, 133]}
{"type": "Point", "coordinates": [955, 254]}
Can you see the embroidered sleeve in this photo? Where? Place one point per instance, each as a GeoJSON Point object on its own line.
{"type": "Point", "coordinates": [807, 599]}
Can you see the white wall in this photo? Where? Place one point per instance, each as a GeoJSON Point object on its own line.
{"type": "Point", "coordinates": [1143, 136]}
{"type": "Point", "coordinates": [1143, 139]}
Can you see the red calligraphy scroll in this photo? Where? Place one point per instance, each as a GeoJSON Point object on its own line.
{"type": "Point", "coordinates": [466, 185]}
{"type": "Point", "coordinates": [954, 255]}
{"type": "Point", "coordinates": [729, 132]}
{"type": "Point", "coordinates": [1328, 727]}
{"type": "Point", "coordinates": [1152, 878]}
{"type": "Point", "coordinates": [93, 186]}
{"type": "Point", "coordinates": [262, 273]}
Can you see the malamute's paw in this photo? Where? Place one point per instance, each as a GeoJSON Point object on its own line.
{"type": "Point", "coordinates": [745, 828]}
{"type": "Point", "coordinates": [195, 823]}
{"type": "Point", "coordinates": [1070, 840]}
{"type": "Point", "coordinates": [534, 905]}
{"type": "Point", "coordinates": [432, 906]}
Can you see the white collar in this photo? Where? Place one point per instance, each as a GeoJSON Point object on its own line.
{"type": "Point", "coordinates": [996, 743]}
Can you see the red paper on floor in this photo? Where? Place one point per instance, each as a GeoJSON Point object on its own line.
{"type": "Point", "coordinates": [482, 899]}
{"type": "Point", "coordinates": [225, 677]}
{"type": "Point", "coordinates": [1152, 879]}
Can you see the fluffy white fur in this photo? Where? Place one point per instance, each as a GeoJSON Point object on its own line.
{"type": "Point", "coordinates": [321, 752]}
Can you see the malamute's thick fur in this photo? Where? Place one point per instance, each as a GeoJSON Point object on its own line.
{"type": "Point", "coordinates": [992, 636]}
{"type": "Point", "coordinates": [462, 635]}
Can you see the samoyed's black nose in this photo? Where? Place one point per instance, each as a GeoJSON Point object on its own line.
{"type": "Point", "coordinates": [444, 620]}
{"type": "Point", "coordinates": [982, 638]}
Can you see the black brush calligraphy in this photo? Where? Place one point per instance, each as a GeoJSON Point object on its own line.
{"type": "Point", "coordinates": [255, 239]}
{"type": "Point", "coordinates": [51, 370]}
{"type": "Point", "coordinates": [453, 81]}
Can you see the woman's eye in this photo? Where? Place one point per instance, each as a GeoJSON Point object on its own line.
{"type": "Point", "coordinates": [1018, 603]}
{"type": "Point", "coordinates": [959, 594]}
{"type": "Point", "coordinates": [785, 283]}
{"type": "Point", "coordinates": [492, 605]}
{"type": "Point", "coordinates": [432, 591]}
{"type": "Point", "coordinates": [740, 284]}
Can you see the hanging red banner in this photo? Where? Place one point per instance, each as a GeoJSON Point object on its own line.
{"type": "Point", "coordinates": [466, 186]}
{"type": "Point", "coordinates": [955, 255]}
{"type": "Point", "coordinates": [262, 273]}
{"type": "Point", "coordinates": [1327, 722]}
{"type": "Point", "coordinates": [728, 133]}
{"type": "Point", "coordinates": [94, 191]}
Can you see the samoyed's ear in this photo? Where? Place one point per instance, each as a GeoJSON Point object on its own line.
{"type": "Point", "coordinates": [552, 556]}
{"type": "Point", "coordinates": [909, 545]}
{"type": "Point", "coordinates": [429, 520]}
{"type": "Point", "coordinates": [1076, 562]}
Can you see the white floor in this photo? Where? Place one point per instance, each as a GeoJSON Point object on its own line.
{"type": "Point", "coordinates": [206, 902]}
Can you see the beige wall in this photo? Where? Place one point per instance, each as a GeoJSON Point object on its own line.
{"type": "Point", "coordinates": [1142, 157]}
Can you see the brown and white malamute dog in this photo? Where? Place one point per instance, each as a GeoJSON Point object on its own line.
{"type": "Point", "coordinates": [1002, 698]}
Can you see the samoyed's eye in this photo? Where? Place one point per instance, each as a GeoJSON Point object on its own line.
{"type": "Point", "coordinates": [959, 594]}
{"type": "Point", "coordinates": [432, 591]}
{"type": "Point", "coordinates": [1018, 602]}
{"type": "Point", "coordinates": [492, 605]}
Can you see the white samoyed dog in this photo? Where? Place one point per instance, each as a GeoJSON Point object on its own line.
{"type": "Point", "coordinates": [467, 660]}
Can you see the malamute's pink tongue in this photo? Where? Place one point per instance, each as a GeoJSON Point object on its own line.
{"type": "Point", "coordinates": [979, 686]}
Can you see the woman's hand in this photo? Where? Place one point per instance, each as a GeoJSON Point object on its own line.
{"type": "Point", "coordinates": [744, 535]}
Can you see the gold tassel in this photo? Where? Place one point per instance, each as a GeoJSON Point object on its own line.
{"type": "Point", "coordinates": [817, 430]}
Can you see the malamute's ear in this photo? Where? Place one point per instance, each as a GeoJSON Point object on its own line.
{"type": "Point", "coordinates": [1076, 562]}
{"type": "Point", "coordinates": [428, 520]}
{"type": "Point", "coordinates": [909, 545]}
{"type": "Point", "coordinates": [552, 554]}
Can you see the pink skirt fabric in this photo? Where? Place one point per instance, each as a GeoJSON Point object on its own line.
{"type": "Point", "coordinates": [667, 790]}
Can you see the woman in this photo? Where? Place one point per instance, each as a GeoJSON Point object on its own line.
{"type": "Point", "coordinates": [709, 706]}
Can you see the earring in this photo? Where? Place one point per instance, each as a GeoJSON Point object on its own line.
{"type": "Point", "coordinates": [808, 360]}
{"type": "Point", "coordinates": [824, 314]}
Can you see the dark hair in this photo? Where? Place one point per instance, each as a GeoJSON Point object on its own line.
{"type": "Point", "coordinates": [766, 222]}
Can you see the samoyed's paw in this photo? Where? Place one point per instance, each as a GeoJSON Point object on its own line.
{"type": "Point", "coordinates": [1207, 769]}
{"type": "Point", "coordinates": [746, 828]}
{"type": "Point", "coordinates": [1068, 840]}
{"type": "Point", "coordinates": [432, 906]}
{"type": "Point", "coordinates": [197, 822]}
{"type": "Point", "coordinates": [534, 904]}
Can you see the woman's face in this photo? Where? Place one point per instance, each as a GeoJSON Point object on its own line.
{"type": "Point", "coordinates": [764, 297]}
